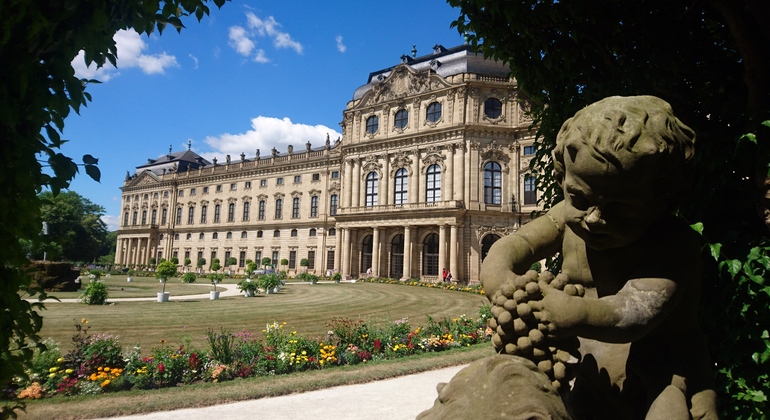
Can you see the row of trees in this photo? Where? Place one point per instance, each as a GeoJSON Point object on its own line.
{"type": "Point", "coordinates": [710, 60]}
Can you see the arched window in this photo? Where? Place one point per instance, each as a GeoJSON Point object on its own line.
{"type": "Point", "coordinates": [259, 234]}
{"type": "Point", "coordinates": [332, 231]}
{"type": "Point", "coordinates": [231, 212]}
{"type": "Point", "coordinates": [190, 215]}
{"type": "Point", "coordinates": [204, 211]}
{"type": "Point", "coordinates": [402, 118]}
{"type": "Point", "coordinates": [372, 124]}
{"type": "Point", "coordinates": [430, 255]}
{"type": "Point", "coordinates": [312, 232]}
{"type": "Point", "coordinates": [433, 113]}
{"type": "Point", "coordinates": [163, 214]}
{"type": "Point", "coordinates": [261, 210]}
{"type": "Point", "coordinates": [371, 189]}
{"type": "Point", "coordinates": [125, 219]}
{"type": "Point", "coordinates": [189, 236]}
{"type": "Point", "coordinates": [295, 208]}
{"type": "Point", "coordinates": [178, 215]}
{"type": "Point", "coordinates": [217, 212]}
{"type": "Point", "coordinates": [493, 181]}
{"type": "Point", "coordinates": [314, 206]}
{"type": "Point", "coordinates": [244, 235]}
{"type": "Point", "coordinates": [246, 210]}
{"type": "Point", "coordinates": [276, 233]}
{"type": "Point", "coordinates": [278, 208]}
{"type": "Point", "coordinates": [400, 187]}
{"type": "Point", "coordinates": [215, 235]}
{"type": "Point", "coordinates": [486, 243]}
{"type": "Point", "coordinates": [144, 217]}
{"type": "Point", "coordinates": [229, 235]}
{"type": "Point", "coordinates": [202, 236]}
{"type": "Point", "coordinates": [134, 218]}
{"type": "Point", "coordinates": [397, 257]}
{"type": "Point", "coordinates": [154, 217]}
{"type": "Point", "coordinates": [433, 184]}
{"type": "Point", "coordinates": [333, 202]}
{"type": "Point", "coordinates": [366, 253]}
{"type": "Point", "coordinates": [293, 233]}
{"type": "Point", "coordinates": [493, 108]}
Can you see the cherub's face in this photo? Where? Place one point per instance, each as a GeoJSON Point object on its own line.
{"type": "Point", "coordinates": [607, 207]}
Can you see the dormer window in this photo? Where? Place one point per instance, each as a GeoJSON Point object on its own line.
{"type": "Point", "coordinates": [402, 118]}
{"type": "Point", "coordinates": [372, 124]}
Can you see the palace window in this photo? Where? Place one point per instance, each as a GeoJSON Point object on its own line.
{"type": "Point", "coordinates": [402, 118]}
{"type": "Point", "coordinates": [333, 202]}
{"type": "Point", "coordinates": [261, 210]}
{"type": "Point", "coordinates": [246, 208]}
{"type": "Point", "coordinates": [529, 150]}
{"type": "Point", "coordinates": [231, 212]}
{"type": "Point", "coordinates": [492, 183]}
{"type": "Point", "coordinates": [217, 211]}
{"type": "Point", "coordinates": [371, 189]}
{"type": "Point", "coordinates": [493, 108]}
{"type": "Point", "coordinates": [179, 216]}
{"type": "Point", "coordinates": [295, 208]}
{"type": "Point", "coordinates": [190, 215]}
{"type": "Point", "coordinates": [314, 206]}
{"type": "Point", "coordinates": [144, 217]}
{"type": "Point", "coordinates": [530, 194]}
{"type": "Point", "coordinates": [433, 113]}
{"type": "Point", "coordinates": [278, 208]}
{"type": "Point", "coordinates": [372, 124]}
{"type": "Point", "coordinates": [204, 210]}
{"type": "Point", "coordinates": [154, 217]}
{"type": "Point", "coordinates": [433, 184]}
{"type": "Point", "coordinates": [400, 187]}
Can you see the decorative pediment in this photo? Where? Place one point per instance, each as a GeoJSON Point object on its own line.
{"type": "Point", "coordinates": [400, 160]}
{"type": "Point", "coordinates": [144, 179]}
{"type": "Point", "coordinates": [495, 152]}
{"type": "Point", "coordinates": [402, 82]}
{"type": "Point", "coordinates": [334, 187]}
{"type": "Point", "coordinates": [496, 230]}
{"type": "Point", "coordinates": [371, 164]}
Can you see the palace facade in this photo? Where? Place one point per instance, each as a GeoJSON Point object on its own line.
{"type": "Point", "coordinates": [431, 169]}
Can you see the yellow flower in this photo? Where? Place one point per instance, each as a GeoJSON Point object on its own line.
{"type": "Point", "coordinates": [53, 369]}
{"type": "Point", "coordinates": [68, 371]}
{"type": "Point", "coordinates": [53, 375]}
{"type": "Point", "coordinates": [105, 383]}
{"type": "Point", "coordinates": [84, 321]}
{"type": "Point", "coordinates": [59, 360]}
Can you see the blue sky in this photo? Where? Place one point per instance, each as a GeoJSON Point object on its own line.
{"type": "Point", "coordinates": [252, 75]}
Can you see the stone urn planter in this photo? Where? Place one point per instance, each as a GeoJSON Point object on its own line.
{"type": "Point", "coordinates": [163, 296]}
{"type": "Point", "coordinates": [248, 293]}
{"type": "Point", "coordinates": [129, 279]}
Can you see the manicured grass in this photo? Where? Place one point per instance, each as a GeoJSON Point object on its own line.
{"type": "Point", "coordinates": [146, 287]}
{"type": "Point", "coordinates": [305, 308]}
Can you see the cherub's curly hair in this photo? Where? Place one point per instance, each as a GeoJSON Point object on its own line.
{"type": "Point", "coordinates": [628, 131]}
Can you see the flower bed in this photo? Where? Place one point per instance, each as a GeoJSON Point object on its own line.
{"type": "Point", "coordinates": [476, 288]}
{"type": "Point", "coordinates": [98, 364]}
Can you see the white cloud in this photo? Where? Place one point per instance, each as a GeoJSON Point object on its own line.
{"type": "Point", "coordinates": [112, 222]}
{"type": "Point", "coordinates": [130, 46]}
{"type": "Point", "coordinates": [195, 60]}
{"type": "Point", "coordinates": [266, 133]}
{"type": "Point", "coordinates": [340, 46]}
{"type": "Point", "coordinates": [243, 40]}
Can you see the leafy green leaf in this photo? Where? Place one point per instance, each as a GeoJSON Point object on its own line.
{"type": "Point", "coordinates": [90, 160]}
{"type": "Point", "coordinates": [698, 227]}
{"type": "Point", "coordinates": [715, 250]}
{"type": "Point", "coordinates": [94, 172]}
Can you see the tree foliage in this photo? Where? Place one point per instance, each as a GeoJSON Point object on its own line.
{"type": "Point", "coordinates": [38, 41]}
{"type": "Point", "coordinates": [711, 61]}
{"type": "Point", "coordinates": [76, 230]}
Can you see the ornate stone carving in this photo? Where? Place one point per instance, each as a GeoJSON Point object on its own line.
{"type": "Point", "coordinates": [400, 160]}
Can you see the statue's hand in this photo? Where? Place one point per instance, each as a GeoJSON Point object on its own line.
{"type": "Point", "coordinates": [560, 312]}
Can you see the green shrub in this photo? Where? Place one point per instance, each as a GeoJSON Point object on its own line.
{"type": "Point", "coordinates": [189, 278]}
{"type": "Point", "coordinates": [95, 293]}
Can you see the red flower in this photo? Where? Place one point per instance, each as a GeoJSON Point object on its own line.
{"type": "Point", "coordinates": [161, 368]}
{"type": "Point", "coordinates": [377, 345]}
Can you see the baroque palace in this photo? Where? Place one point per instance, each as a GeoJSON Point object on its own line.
{"type": "Point", "coordinates": [431, 169]}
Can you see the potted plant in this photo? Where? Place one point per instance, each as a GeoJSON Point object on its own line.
{"type": "Point", "coordinates": [215, 278]}
{"type": "Point", "coordinates": [337, 277]}
{"type": "Point", "coordinates": [165, 270]}
{"type": "Point", "coordinates": [268, 282]}
{"type": "Point", "coordinates": [201, 263]}
{"type": "Point", "coordinates": [231, 262]}
{"type": "Point", "coordinates": [251, 267]}
{"type": "Point", "coordinates": [284, 262]}
{"type": "Point", "coordinates": [130, 275]}
{"type": "Point", "coordinates": [267, 261]}
{"type": "Point", "coordinates": [188, 278]}
{"type": "Point", "coordinates": [304, 263]}
{"type": "Point", "coordinates": [187, 263]}
{"type": "Point", "coordinates": [248, 287]}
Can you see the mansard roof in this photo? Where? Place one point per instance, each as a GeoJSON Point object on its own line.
{"type": "Point", "coordinates": [442, 61]}
{"type": "Point", "coordinates": [173, 162]}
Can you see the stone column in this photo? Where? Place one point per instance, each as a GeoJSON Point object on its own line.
{"type": "Point", "coordinates": [450, 174]}
{"type": "Point", "coordinates": [375, 252]}
{"type": "Point", "coordinates": [442, 247]}
{"type": "Point", "coordinates": [345, 252]}
{"type": "Point", "coordinates": [348, 189]}
{"type": "Point", "coordinates": [453, 260]}
{"type": "Point", "coordinates": [407, 253]}
{"type": "Point", "coordinates": [338, 250]}
{"type": "Point", "coordinates": [356, 183]}
{"type": "Point", "coordinates": [460, 188]}
{"type": "Point", "coordinates": [414, 180]}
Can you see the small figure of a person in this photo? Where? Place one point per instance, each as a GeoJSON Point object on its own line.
{"type": "Point", "coordinates": [443, 275]}
{"type": "Point", "coordinates": [448, 277]}
{"type": "Point", "coordinates": [369, 272]}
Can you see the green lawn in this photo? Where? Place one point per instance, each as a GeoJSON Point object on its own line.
{"type": "Point", "coordinates": [146, 287]}
{"type": "Point", "coordinates": [305, 308]}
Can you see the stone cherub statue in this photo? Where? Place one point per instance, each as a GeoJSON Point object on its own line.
{"type": "Point", "coordinates": [622, 163]}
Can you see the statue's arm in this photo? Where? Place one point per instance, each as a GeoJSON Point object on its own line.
{"type": "Point", "coordinates": [514, 254]}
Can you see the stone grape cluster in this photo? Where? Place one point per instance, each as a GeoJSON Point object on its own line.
{"type": "Point", "coordinates": [518, 332]}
